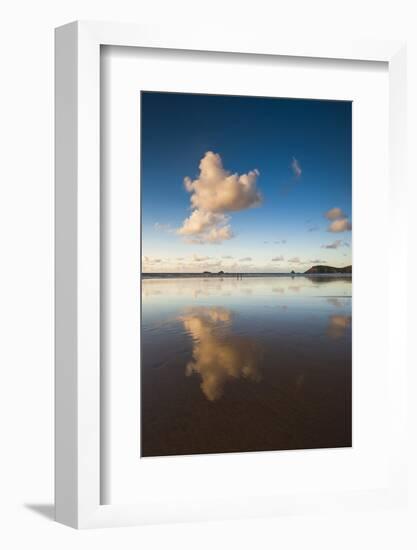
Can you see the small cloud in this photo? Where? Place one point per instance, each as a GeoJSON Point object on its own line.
{"type": "Point", "coordinates": [333, 245]}
{"type": "Point", "coordinates": [334, 214]}
{"type": "Point", "coordinates": [149, 260]}
{"type": "Point", "coordinates": [338, 226]}
{"type": "Point", "coordinates": [278, 259]}
{"type": "Point", "coordinates": [266, 242]}
{"type": "Point", "coordinates": [296, 168]}
{"type": "Point", "coordinates": [339, 221]}
{"type": "Point", "coordinates": [246, 259]}
{"type": "Point", "coordinates": [313, 228]}
{"type": "Point", "coordinates": [295, 260]}
{"type": "Point", "coordinates": [283, 241]}
{"type": "Point", "coordinates": [318, 261]}
{"type": "Point", "coordinates": [200, 258]}
{"type": "Point", "coordinates": [165, 227]}
{"type": "Point", "coordinates": [227, 257]}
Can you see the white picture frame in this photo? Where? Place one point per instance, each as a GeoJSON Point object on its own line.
{"type": "Point", "coordinates": [78, 406]}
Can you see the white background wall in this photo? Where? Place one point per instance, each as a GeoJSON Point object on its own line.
{"type": "Point", "coordinates": [26, 272]}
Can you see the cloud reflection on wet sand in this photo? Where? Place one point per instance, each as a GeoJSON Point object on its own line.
{"type": "Point", "coordinates": [338, 325]}
{"type": "Point", "coordinates": [219, 356]}
{"type": "Point", "coordinates": [226, 371]}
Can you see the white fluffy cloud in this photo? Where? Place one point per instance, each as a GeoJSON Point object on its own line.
{"type": "Point", "coordinates": [206, 227]}
{"type": "Point", "coordinates": [215, 193]}
{"type": "Point", "coordinates": [217, 190]}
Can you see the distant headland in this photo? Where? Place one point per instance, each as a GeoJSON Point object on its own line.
{"type": "Point", "coordinates": [327, 269]}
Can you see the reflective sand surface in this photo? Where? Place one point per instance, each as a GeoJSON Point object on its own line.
{"type": "Point", "coordinates": [245, 365]}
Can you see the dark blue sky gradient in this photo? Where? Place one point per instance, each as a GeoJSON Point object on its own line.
{"type": "Point", "coordinates": [248, 133]}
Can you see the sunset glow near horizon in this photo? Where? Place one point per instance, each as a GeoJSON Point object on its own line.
{"type": "Point", "coordinates": [244, 184]}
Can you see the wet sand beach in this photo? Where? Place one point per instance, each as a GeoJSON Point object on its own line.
{"type": "Point", "coordinates": [249, 364]}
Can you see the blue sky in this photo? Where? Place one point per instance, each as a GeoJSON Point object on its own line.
{"type": "Point", "coordinates": [274, 183]}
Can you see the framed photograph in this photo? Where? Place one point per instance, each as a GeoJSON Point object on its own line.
{"type": "Point", "coordinates": [246, 277]}
{"type": "Point", "coordinates": [230, 338]}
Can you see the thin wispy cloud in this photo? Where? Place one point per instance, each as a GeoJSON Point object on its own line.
{"type": "Point", "coordinates": [278, 259]}
{"type": "Point", "coordinates": [214, 195]}
{"type": "Point", "coordinates": [296, 172]}
{"type": "Point", "coordinates": [296, 168]}
{"type": "Point", "coordinates": [333, 245]}
{"type": "Point", "coordinates": [164, 227]}
{"type": "Point", "coordinates": [246, 259]}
